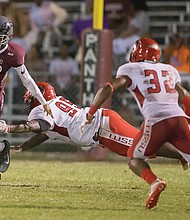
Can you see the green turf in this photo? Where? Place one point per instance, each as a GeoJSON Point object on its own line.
{"type": "Point", "coordinates": [32, 190]}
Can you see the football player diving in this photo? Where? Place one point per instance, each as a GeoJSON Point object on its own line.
{"type": "Point", "coordinates": [108, 129]}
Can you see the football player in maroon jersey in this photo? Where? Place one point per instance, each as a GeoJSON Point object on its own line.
{"type": "Point", "coordinates": [12, 56]}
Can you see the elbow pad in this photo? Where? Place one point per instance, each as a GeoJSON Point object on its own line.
{"type": "Point", "coordinates": [44, 125]}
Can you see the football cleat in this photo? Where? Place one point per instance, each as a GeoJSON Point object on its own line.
{"type": "Point", "coordinates": [184, 163]}
{"type": "Point", "coordinates": [156, 188]}
{"type": "Point", "coordinates": [5, 157]}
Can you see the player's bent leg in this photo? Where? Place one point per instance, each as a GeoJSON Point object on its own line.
{"type": "Point", "coordinates": [114, 146]}
{"type": "Point", "coordinates": [114, 122]}
{"type": "Point", "coordinates": [142, 169]}
{"type": "Point", "coordinates": [5, 157]}
{"type": "Point", "coordinates": [143, 147]}
{"type": "Point", "coordinates": [168, 150]}
{"type": "Point", "coordinates": [182, 143]}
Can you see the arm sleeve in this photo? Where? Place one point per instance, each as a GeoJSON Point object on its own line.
{"type": "Point", "coordinates": [29, 83]}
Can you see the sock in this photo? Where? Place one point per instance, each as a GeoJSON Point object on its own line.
{"type": "Point", "coordinates": [2, 146]}
{"type": "Point", "coordinates": [148, 176]}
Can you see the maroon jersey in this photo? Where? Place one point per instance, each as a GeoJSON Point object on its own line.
{"type": "Point", "coordinates": [12, 56]}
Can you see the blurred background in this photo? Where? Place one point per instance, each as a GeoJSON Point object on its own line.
{"type": "Point", "coordinates": [50, 32]}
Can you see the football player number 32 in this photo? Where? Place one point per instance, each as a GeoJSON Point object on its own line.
{"type": "Point", "coordinates": [154, 81]}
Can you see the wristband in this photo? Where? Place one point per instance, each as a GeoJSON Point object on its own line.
{"type": "Point", "coordinates": [92, 109]}
{"type": "Point", "coordinates": [8, 129]}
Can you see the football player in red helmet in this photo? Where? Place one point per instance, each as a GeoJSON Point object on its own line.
{"type": "Point", "coordinates": [47, 91]}
{"type": "Point", "coordinates": [156, 89]}
{"type": "Point", "coordinates": [108, 129]}
{"type": "Point", "coordinates": [145, 49]}
{"type": "Point", "coordinates": [12, 56]}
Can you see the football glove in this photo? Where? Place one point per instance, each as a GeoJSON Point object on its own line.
{"type": "Point", "coordinates": [3, 127]}
{"type": "Point", "coordinates": [15, 149]}
{"type": "Point", "coordinates": [88, 120]}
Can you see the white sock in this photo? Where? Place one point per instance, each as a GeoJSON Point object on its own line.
{"type": "Point", "coordinates": [2, 146]}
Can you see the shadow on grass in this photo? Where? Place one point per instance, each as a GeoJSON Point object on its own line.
{"type": "Point", "coordinates": [67, 207]}
{"type": "Point", "coordinates": [20, 185]}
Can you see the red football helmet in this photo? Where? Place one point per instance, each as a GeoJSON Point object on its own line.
{"type": "Point", "coordinates": [47, 91]}
{"type": "Point", "coordinates": [145, 49]}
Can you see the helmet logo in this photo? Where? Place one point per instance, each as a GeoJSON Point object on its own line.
{"type": "Point", "coordinates": [6, 31]}
{"type": "Point", "coordinates": [6, 27]}
{"type": "Point", "coordinates": [154, 46]}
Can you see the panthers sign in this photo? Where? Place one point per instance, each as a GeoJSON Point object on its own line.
{"type": "Point", "coordinates": [90, 59]}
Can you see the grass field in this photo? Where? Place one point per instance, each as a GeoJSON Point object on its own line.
{"type": "Point", "coordinates": [62, 190]}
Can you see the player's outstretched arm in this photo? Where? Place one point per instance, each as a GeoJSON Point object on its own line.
{"type": "Point", "coordinates": [34, 141]}
{"type": "Point", "coordinates": [19, 127]}
{"type": "Point", "coordinates": [37, 125]}
{"type": "Point", "coordinates": [30, 84]}
{"type": "Point", "coordinates": [105, 92]}
{"type": "Point", "coordinates": [101, 96]}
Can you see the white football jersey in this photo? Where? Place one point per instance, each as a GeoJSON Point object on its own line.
{"type": "Point", "coordinates": [153, 87]}
{"type": "Point", "coordinates": [67, 119]}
